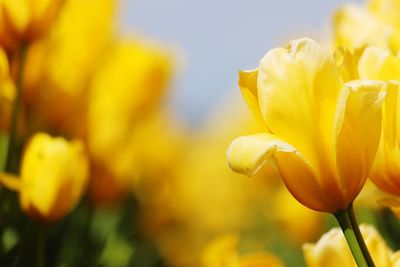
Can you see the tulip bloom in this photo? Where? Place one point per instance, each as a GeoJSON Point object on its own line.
{"type": "Point", "coordinates": [23, 21]}
{"type": "Point", "coordinates": [377, 63]}
{"type": "Point", "coordinates": [53, 88]}
{"type": "Point", "coordinates": [138, 72]}
{"type": "Point", "coordinates": [331, 250]}
{"type": "Point", "coordinates": [54, 175]}
{"type": "Point", "coordinates": [321, 133]}
{"type": "Point", "coordinates": [223, 252]}
{"type": "Point", "coordinates": [378, 24]}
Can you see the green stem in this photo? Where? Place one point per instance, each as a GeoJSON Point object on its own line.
{"type": "Point", "coordinates": [360, 239]}
{"type": "Point", "coordinates": [12, 143]}
{"type": "Point", "coordinates": [41, 247]}
{"type": "Point", "coordinates": [344, 222]}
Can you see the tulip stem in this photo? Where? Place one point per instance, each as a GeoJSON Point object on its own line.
{"type": "Point", "coordinates": [360, 239]}
{"type": "Point", "coordinates": [344, 221]}
{"type": "Point", "coordinates": [41, 247]}
{"type": "Point", "coordinates": [12, 142]}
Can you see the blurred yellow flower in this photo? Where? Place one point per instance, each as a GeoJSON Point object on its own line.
{"type": "Point", "coordinates": [380, 64]}
{"type": "Point", "coordinates": [54, 175]}
{"type": "Point", "coordinates": [332, 250]}
{"type": "Point", "coordinates": [182, 221]}
{"type": "Point", "coordinates": [23, 21]}
{"type": "Point", "coordinates": [377, 24]}
{"type": "Point", "coordinates": [223, 252]}
{"type": "Point", "coordinates": [146, 153]}
{"type": "Point", "coordinates": [377, 63]}
{"type": "Point", "coordinates": [386, 10]}
{"type": "Point", "coordinates": [54, 91]}
{"type": "Point", "coordinates": [322, 133]}
{"type": "Point", "coordinates": [138, 73]}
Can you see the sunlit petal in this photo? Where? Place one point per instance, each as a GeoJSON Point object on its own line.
{"type": "Point", "coordinates": [298, 89]}
{"type": "Point", "coordinates": [358, 132]}
{"type": "Point", "coordinates": [248, 154]}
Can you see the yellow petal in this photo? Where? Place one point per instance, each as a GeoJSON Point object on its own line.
{"type": "Point", "coordinates": [221, 251]}
{"type": "Point", "coordinates": [386, 10]}
{"type": "Point", "coordinates": [248, 88]}
{"type": "Point", "coordinates": [260, 259]}
{"type": "Point", "coordinates": [248, 154]}
{"type": "Point", "coordinates": [301, 181]}
{"type": "Point", "coordinates": [358, 129]}
{"type": "Point", "coordinates": [391, 118]}
{"type": "Point", "coordinates": [378, 64]}
{"type": "Point", "coordinates": [43, 14]}
{"type": "Point", "coordinates": [10, 181]}
{"type": "Point", "coordinates": [298, 88]}
{"type": "Point", "coordinates": [330, 251]}
{"type": "Point", "coordinates": [4, 69]}
{"type": "Point", "coordinates": [395, 259]}
{"type": "Point", "coordinates": [18, 14]}
{"type": "Point", "coordinates": [386, 169]}
{"type": "Point", "coordinates": [347, 64]}
{"type": "Point", "coordinates": [355, 27]}
{"type": "Point", "coordinates": [54, 173]}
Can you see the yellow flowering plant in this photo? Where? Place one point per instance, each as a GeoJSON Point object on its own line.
{"type": "Point", "coordinates": [23, 21]}
{"type": "Point", "coordinates": [331, 249]}
{"type": "Point", "coordinates": [54, 176]}
{"type": "Point", "coordinates": [322, 134]}
{"type": "Point", "coordinates": [97, 170]}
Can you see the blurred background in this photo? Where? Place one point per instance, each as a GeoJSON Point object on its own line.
{"type": "Point", "coordinates": [144, 96]}
{"type": "Point", "coordinates": [215, 39]}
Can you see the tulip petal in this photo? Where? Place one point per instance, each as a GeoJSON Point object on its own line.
{"type": "Point", "coordinates": [298, 88]}
{"type": "Point", "coordinates": [358, 129]}
{"type": "Point", "coordinates": [11, 181]}
{"type": "Point", "coordinates": [355, 27]}
{"type": "Point", "coordinates": [386, 170]}
{"type": "Point", "coordinates": [17, 14]}
{"type": "Point", "coordinates": [347, 64]}
{"type": "Point", "coordinates": [247, 154]}
{"type": "Point", "coordinates": [248, 88]}
{"type": "Point", "coordinates": [378, 64]}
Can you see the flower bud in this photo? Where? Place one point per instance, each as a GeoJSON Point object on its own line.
{"type": "Point", "coordinates": [332, 250]}
{"type": "Point", "coordinates": [54, 175]}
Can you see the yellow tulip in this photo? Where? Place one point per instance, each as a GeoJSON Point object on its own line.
{"type": "Point", "coordinates": [322, 133]}
{"type": "Point", "coordinates": [54, 91]}
{"type": "Point", "coordinates": [23, 21]}
{"type": "Point", "coordinates": [137, 72]}
{"type": "Point", "coordinates": [223, 252]}
{"type": "Point", "coordinates": [186, 202]}
{"type": "Point", "coordinates": [259, 259]}
{"type": "Point", "coordinates": [145, 153]}
{"type": "Point", "coordinates": [332, 250]}
{"type": "Point", "coordinates": [357, 26]}
{"type": "Point", "coordinates": [377, 63]}
{"type": "Point", "coordinates": [54, 175]}
{"type": "Point", "coordinates": [386, 10]}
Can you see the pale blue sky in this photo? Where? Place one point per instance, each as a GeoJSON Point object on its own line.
{"type": "Point", "coordinates": [219, 37]}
